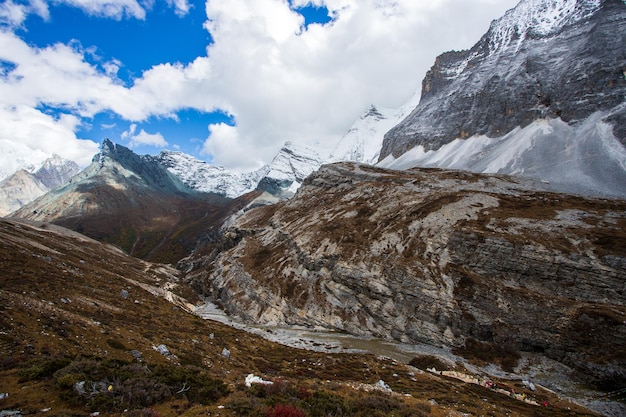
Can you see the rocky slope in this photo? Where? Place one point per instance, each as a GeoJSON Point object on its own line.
{"type": "Point", "coordinates": [134, 202]}
{"type": "Point", "coordinates": [543, 60]}
{"type": "Point", "coordinates": [19, 189]}
{"type": "Point", "coordinates": [434, 256]}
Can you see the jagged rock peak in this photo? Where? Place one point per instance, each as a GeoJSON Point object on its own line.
{"type": "Point", "coordinates": [56, 171]}
{"type": "Point", "coordinates": [372, 112]}
{"type": "Point", "coordinates": [289, 168]}
{"type": "Point", "coordinates": [534, 18]}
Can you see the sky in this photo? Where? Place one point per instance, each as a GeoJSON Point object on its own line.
{"type": "Point", "coordinates": [227, 81]}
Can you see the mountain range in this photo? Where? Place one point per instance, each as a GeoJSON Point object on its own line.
{"type": "Point", "coordinates": [486, 217]}
{"type": "Point", "coordinates": [33, 180]}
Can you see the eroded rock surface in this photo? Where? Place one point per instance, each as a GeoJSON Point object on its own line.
{"type": "Point", "coordinates": [433, 256]}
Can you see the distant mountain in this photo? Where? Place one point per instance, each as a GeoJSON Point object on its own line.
{"type": "Point", "coordinates": [541, 95]}
{"type": "Point", "coordinates": [134, 202]}
{"type": "Point", "coordinates": [33, 181]}
{"type": "Point", "coordinates": [56, 171]}
{"type": "Point", "coordinates": [281, 177]}
{"type": "Point", "coordinates": [19, 189]}
{"type": "Point", "coordinates": [363, 141]}
{"type": "Point", "coordinates": [204, 177]}
{"type": "Point", "coordinates": [288, 169]}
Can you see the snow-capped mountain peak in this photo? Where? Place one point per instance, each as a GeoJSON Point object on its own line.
{"type": "Point", "coordinates": [363, 141]}
{"type": "Point", "coordinates": [204, 177]}
{"type": "Point", "coordinates": [533, 18]}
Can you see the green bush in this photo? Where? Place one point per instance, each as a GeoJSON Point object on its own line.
{"type": "Point", "coordinates": [43, 368]}
{"type": "Point", "coordinates": [326, 404]}
{"type": "Point", "coordinates": [114, 385]}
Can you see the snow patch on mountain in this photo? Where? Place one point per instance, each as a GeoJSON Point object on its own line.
{"type": "Point", "coordinates": [584, 158]}
{"type": "Point", "coordinates": [289, 168]}
{"type": "Point", "coordinates": [282, 177]}
{"type": "Point", "coordinates": [207, 178]}
{"type": "Point", "coordinates": [532, 18]}
{"type": "Point", "coordinates": [363, 141]}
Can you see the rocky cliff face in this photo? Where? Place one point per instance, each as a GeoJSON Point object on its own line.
{"type": "Point", "coordinates": [433, 256]}
{"type": "Point", "coordinates": [544, 59]}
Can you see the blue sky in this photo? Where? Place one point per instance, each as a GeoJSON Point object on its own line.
{"type": "Point", "coordinates": [228, 81]}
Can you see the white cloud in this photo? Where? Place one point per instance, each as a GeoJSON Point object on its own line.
{"type": "Point", "coordinates": [116, 9]}
{"type": "Point", "coordinates": [143, 137]}
{"type": "Point", "coordinates": [37, 130]}
{"type": "Point", "coordinates": [181, 7]}
{"type": "Point", "coordinates": [227, 148]}
{"type": "Point", "coordinates": [12, 14]}
{"type": "Point", "coordinates": [283, 83]}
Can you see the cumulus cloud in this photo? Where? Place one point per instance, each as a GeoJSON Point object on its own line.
{"type": "Point", "coordinates": [143, 138]}
{"type": "Point", "coordinates": [181, 7]}
{"type": "Point", "coordinates": [14, 13]}
{"type": "Point", "coordinates": [37, 130]}
{"type": "Point", "coordinates": [285, 82]}
{"type": "Point", "coordinates": [226, 147]}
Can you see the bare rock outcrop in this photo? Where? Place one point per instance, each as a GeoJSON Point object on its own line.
{"type": "Point", "coordinates": [434, 256]}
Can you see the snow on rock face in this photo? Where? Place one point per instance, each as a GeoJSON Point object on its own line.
{"type": "Point", "coordinates": [364, 139]}
{"type": "Point", "coordinates": [515, 75]}
{"type": "Point", "coordinates": [288, 169]}
{"type": "Point", "coordinates": [282, 177]}
{"type": "Point", "coordinates": [583, 159]}
{"type": "Point", "coordinates": [203, 177]}
{"type": "Point", "coordinates": [56, 171]}
{"type": "Point", "coordinates": [538, 18]}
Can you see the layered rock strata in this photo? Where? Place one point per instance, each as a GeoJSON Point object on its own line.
{"type": "Point", "coordinates": [433, 256]}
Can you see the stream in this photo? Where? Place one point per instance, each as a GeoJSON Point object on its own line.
{"type": "Point", "coordinates": [546, 372]}
{"type": "Point", "coordinates": [326, 341]}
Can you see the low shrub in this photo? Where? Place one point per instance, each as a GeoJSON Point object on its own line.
{"type": "Point", "coordinates": [482, 353]}
{"type": "Point", "coordinates": [428, 361]}
{"type": "Point", "coordinates": [43, 368]}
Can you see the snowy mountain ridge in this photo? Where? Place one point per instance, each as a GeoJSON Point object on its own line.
{"type": "Point", "coordinates": [203, 177]}
{"type": "Point", "coordinates": [281, 177]}
{"type": "Point", "coordinates": [363, 141]}
{"type": "Point", "coordinates": [533, 18]}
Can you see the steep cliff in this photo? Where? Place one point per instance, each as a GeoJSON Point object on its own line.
{"type": "Point", "coordinates": [434, 256]}
{"type": "Point", "coordinates": [544, 59]}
